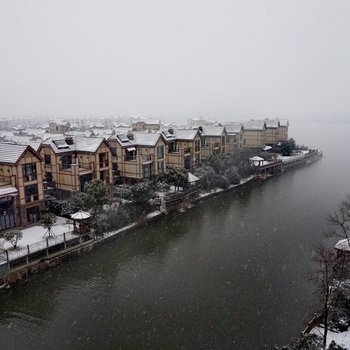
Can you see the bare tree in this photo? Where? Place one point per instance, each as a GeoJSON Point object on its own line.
{"type": "Point", "coordinates": [323, 277]}
{"type": "Point", "coordinates": [340, 221]}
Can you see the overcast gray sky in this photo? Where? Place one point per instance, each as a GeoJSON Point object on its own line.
{"type": "Point", "coordinates": [224, 59]}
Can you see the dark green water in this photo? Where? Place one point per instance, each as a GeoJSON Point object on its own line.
{"type": "Point", "coordinates": [229, 273]}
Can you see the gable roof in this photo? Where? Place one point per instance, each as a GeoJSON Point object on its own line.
{"type": "Point", "coordinates": [80, 144]}
{"type": "Point", "coordinates": [186, 134]}
{"type": "Point", "coordinates": [254, 125]}
{"type": "Point", "coordinates": [138, 139]}
{"type": "Point", "coordinates": [11, 153]}
{"type": "Point", "coordinates": [146, 139]}
{"type": "Point", "coordinates": [233, 128]}
{"type": "Point", "coordinates": [284, 122]}
{"type": "Point", "coordinates": [213, 130]}
{"type": "Point", "coordinates": [272, 123]}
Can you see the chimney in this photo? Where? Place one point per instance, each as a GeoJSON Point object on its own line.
{"type": "Point", "coordinates": [130, 136]}
{"type": "Point", "coordinates": [171, 131]}
{"type": "Point", "coordinates": [69, 140]}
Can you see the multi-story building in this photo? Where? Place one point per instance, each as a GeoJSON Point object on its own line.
{"type": "Point", "coordinates": [21, 185]}
{"type": "Point", "coordinates": [254, 134]}
{"type": "Point", "coordinates": [213, 140]}
{"type": "Point", "coordinates": [59, 127]}
{"type": "Point", "coordinates": [272, 132]}
{"type": "Point", "coordinates": [71, 162]}
{"type": "Point", "coordinates": [183, 148]}
{"type": "Point", "coordinates": [283, 131]}
{"type": "Point", "coordinates": [234, 136]}
{"type": "Point", "coordinates": [138, 156]}
{"type": "Point", "coordinates": [145, 124]}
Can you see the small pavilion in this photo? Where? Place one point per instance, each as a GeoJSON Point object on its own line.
{"type": "Point", "coordinates": [81, 221]}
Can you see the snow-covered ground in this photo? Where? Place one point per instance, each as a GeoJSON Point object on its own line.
{"type": "Point", "coordinates": [341, 338]}
{"type": "Point", "coordinates": [35, 237]}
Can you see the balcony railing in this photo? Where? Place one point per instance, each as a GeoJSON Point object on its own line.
{"type": "Point", "coordinates": [65, 167]}
{"type": "Point", "coordinates": [30, 177]}
{"type": "Point", "coordinates": [86, 166]}
{"type": "Point", "coordinates": [32, 198]}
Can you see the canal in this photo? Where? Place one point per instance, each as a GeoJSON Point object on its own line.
{"type": "Point", "coordinates": [229, 273]}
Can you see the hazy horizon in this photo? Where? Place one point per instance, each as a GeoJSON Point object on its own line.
{"type": "Point", "coordinates": [175, 59]}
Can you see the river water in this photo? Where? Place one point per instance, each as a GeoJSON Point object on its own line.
{"type": "Point", "coordinates": [230, 273]}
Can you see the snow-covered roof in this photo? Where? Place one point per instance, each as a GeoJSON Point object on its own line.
{"type": "Point", "coordinates": [8, 191]}
{"type": "Point", "coordinates": [80, 143]}
{"type": "Point", "coordinates": [233, 128]}
{"type": "Point", "coordinates": [284, 122]}
{"type": "Point", "coordinates": [136, 139]}
{"type": "Point", "coordinates": [80, 215]}
{"type": "Point", "coordinates": [102, 132]}
{"type": "Point", "coordinates": [10, 152]}
{"type": "Point", "coordinates": [186, 134]}
{"type": "Point", "coordinates": [213, 130]}
{"type": "Point", "coordinates": [343, 244]}
{"type": "Point", "coordinates": [272, 123]}
{"type": "Point", "coordinates": [146, 139]}
{"type": "Point", "coordinates": [254, 125]}
{"type": "Point", "coordinates": [256, 159]}
{"type": "Point", "coordinates": [192, 178]}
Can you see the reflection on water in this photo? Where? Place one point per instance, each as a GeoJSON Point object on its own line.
{"type": "Point", "coordinates": [228, 273]}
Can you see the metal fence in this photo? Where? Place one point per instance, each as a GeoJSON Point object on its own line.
{"type": "Point", "coordinates": [43, 249]}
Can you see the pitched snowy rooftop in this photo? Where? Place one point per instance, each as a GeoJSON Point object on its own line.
{"type": "Point", "coordinates": [272, 123]}
{"type": "Point", "coordinates": [186, 134]}
{"type": "Point", "coordinates": [212, 130]}
{"type": "Point", "coordinates": [80, 143]}
{"type": "Point", "coordinates": [284, 122]}
{"type": "Point", "coordinates": [254, 125]}
{"type": "Point", "coordinates": [233, 128]}
{"type": "Point", "coordinates": [10, 152]}
{"type": "Point", "coordinates": [343, 244]}
{"type": "Point", "coordinates": [146, 139]}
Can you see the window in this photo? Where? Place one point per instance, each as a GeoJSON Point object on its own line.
{"type": "Point", "coordinates": [29, 171]}
{"type": "Point", "coordinates": [187, 150]}
{"type": "Point", "coordinates": [66, 162]}
{"type": "Point", "coordinates": [147, 171]}
{"type": "Point", "coordinates": [160, 152]}
{"type": "Point", "coordinates": [197, 145]}
{"type": "Point", "coordinates": [7, 217]}
{"type": "Point", "coordinates": [172, 147]}
{"type": "Point", "coordinates": [114, 151]}
{"type": "Point", "coordinates": [31, 193]}
{"type": "Point", "coordinates": [33, 214]}
{"type": "Point", "coordinates": [47, 159]}
{"type": "Point", "coordinates": [187, 162]}
{"type": "Point", "coordinates": [103, 160]}
{"type": "Point", "coordinates": [204, 142]}
{"type": "Point", "coordinates": [160, 166]}
{"type": "Point", "coordinates": [130, 153]}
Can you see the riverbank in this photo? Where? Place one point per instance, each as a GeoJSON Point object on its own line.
{"type": "Point", "coordinates": [86, 245]}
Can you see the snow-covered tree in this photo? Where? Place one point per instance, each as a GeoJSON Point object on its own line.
{"type": "Point", "coordinates": [13, 236]}
{"type": "Point", "coordinates": [47, 221]}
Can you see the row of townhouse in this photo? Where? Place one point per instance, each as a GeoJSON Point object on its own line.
{"type": "Point", "coordinates": [67, 163]}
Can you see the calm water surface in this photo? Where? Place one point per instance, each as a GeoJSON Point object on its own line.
{"type": "Point", "coordinates": [229, 273]}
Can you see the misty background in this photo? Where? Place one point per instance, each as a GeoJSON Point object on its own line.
{"type": "Point", "coordinates": [175, 59]}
